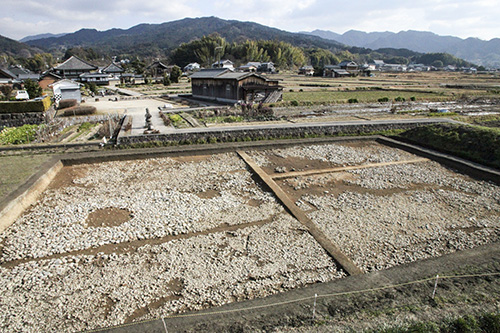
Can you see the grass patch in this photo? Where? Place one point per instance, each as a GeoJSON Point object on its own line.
{"type": "Point", "coordinates": [16, 169]}
{"type": "Point", "coordinates": [487, 322]}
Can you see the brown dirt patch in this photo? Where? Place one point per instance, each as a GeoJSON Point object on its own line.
{"type": "Point", "coordinates": [108, 217]}
{"type": "Point", "coordinates": [208, 194]}
{"type": "Point", "coordinates": [66, 176]}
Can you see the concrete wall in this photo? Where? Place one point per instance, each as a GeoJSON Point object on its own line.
{"type": "Point", "coordinates": [27, 196]}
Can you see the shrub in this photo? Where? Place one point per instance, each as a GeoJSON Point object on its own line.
{"type": "Point", "coordinates": [18, 135]}
{"type": "Point", "coordinates": [66, 103]}
{"type": "Point", "coordinates": [79, 111]}
{"type": "Point", "coordinates": [294, 103]}
{"type": "Point", "coordinates": [383, 99]}
{"type": "Point", "coordinates": [399, 99]}
{"type": "Point", "coordinates": [352, 100]}
{"type": "Point", "coordinates": [175, 118]}
{"type": "Point", "coordinates": [413, 98]}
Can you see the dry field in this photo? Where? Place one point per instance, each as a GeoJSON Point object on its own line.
{"type": "Point", "coordinates": [115, 242]}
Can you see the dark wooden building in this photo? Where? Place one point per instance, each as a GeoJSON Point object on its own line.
{"type": "Point", "coordinates": [225, 86]}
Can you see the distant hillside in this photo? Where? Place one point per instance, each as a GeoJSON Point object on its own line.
{"type": "Point", "coordinates": [40, 36]}
{"type": "Point", "coordinates": [14, 48]}
{"type": "Point", "coordinates": [159, 39]}
{"type": "Point", "coordinates": [475, 50]}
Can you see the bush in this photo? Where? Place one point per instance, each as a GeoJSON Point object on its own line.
{"type": "Point", "coordinates": [79, 111]}
{"type": "Point", "coordinates": [67, 103]}
{"type": "Point", "coordinates": [383, 99]}
{"type": "Point", "coordinates": [175, 118]}
{"type": "Point", "coordinates": [399, 99]}
{"type": "Point", "coordinates": [294, 103]}
{"type": "Point", "coordinates": [352, 100]}
{"type": "Point", "coordinates": [413, 98]}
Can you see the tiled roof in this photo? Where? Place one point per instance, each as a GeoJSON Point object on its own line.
{"type": "Point", "coordinates": [209, 73]}
{"type": "Point", "coordinates": [6, 73]}
{"type": "Point", "coordinates": [75, 63]}
{"type": "Point", "coordinates": [113, 68]}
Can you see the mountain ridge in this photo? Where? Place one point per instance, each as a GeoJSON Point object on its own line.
{"type": "Point", "coordinates": [157, 38]}
{"type": "Point", "coordinates": [472, 49]}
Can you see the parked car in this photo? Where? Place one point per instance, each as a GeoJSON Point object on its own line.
{"type": "Point", "coordinates": [22, 95]}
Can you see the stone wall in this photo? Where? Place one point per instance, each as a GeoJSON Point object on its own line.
{"type": "Point", "coordinates": [20, 119]}
{"type": "Point", "coordinates": [246, 134]}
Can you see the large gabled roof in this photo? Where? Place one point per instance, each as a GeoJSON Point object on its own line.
{"type": "Point", "coordinates": [113, 68]}
{"type": "Point", "coordinates": [158, 63]}
{"type": "Point", "coordinates": [75, 63]}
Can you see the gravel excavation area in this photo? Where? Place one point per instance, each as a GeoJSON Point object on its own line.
{"type": "Point", "coordinates": [116, 242]}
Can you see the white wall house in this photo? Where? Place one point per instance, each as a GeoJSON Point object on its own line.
{"type": "Point", "coordinates": [66, 89]}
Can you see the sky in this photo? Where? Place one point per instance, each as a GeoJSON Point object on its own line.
{"type": "Point", "coordinates": [473, 18]}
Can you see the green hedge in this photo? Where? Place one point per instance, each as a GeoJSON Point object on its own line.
{"type": "Point", "coordinates": [25, 106]}
{"type": "Point", "coordinates": [476, 143]}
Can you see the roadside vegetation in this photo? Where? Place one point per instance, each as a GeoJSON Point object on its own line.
{"type": "Point", "coordinates": [476, 143]}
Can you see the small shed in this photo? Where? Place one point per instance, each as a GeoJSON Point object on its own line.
{"type": "Point", "coordinates": [66, 89]}
{"type": "Point", "coordinates": [232, 87]}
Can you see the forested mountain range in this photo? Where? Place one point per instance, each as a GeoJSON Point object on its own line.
{"type": "Point", "coordinates": [158, 40]}
{"type": "Point", "coordinates": [486, 53]}
{"type": "Point", "coordinates": [197, 39]}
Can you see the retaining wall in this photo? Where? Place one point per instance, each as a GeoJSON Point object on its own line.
{"type": "Point", "coordinates": [247, 134]}
{"type": "Point", "coordinates": [20, 119]}
{"type": "Point", "coordinates": [27, 194]}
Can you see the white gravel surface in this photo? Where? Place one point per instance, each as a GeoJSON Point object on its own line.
{"type": "Point", "coordinates": [84, 290]}
{"type": "Point", "coordinates": [202, 233]}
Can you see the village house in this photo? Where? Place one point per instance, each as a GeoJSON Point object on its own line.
{"type": "Point", "coordinates": [228, 64]}
{"type": "Point", "coordinates": [66, 89]}
{"type": "Point", "coordinates": [158, 70]}
{"type": "Point", "coordinates": [335, 71]}
{"type": "Point", "coordinates": [350, 66]}
{"type": "Point", "coordinates": [249, 67]}
{"type": "Point", "coordinates": [73, 68]}
{"type": "Point", "coordinates": [23, 74]}
{"type": "Point", "coordinates": [306, 70]}
{"type": "Point", "coordinates": [6, 77]}
{"type": "Point", "coordinates": [225, 86]}
{"type": "Point", "coordinates": [114, 70]}
{"type": "Point", "coordinates": [100, 79]}
{"type": "Point", "coordinates": [393, 68]}
{"type": "Point", "coordinates": [267, 67]}
{"type": "Point", "coordinates": [191, 67]}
